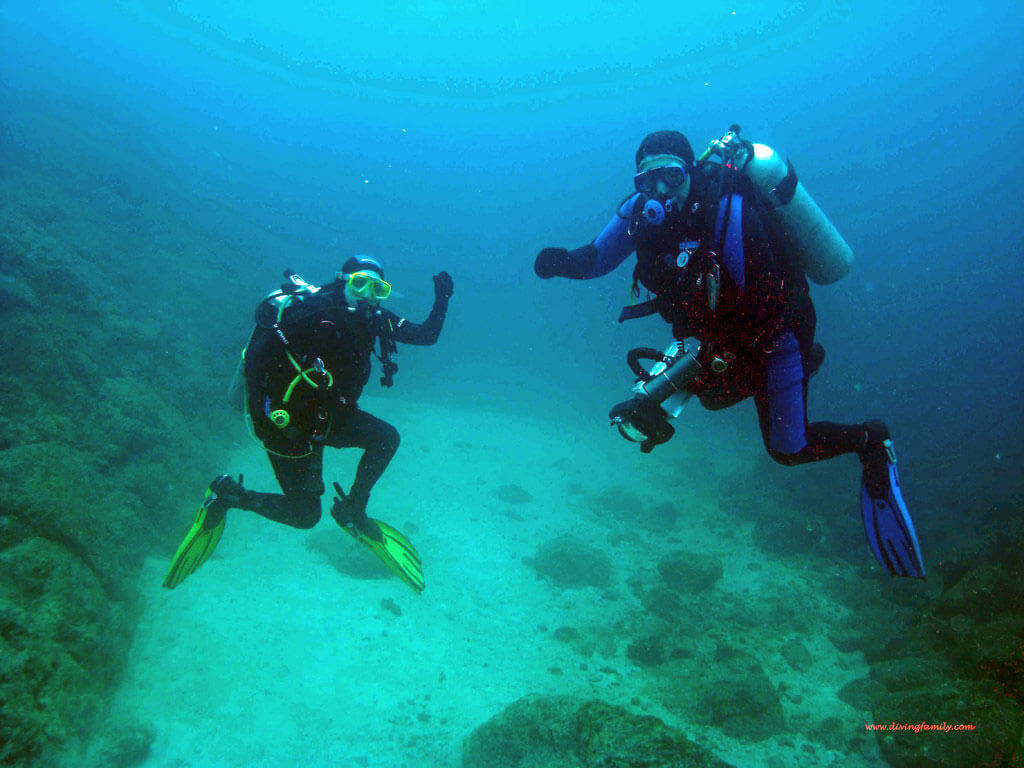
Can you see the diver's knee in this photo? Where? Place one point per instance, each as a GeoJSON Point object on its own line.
{"type": "Point", "coordinates": [305, 511]}
{"type": "Point", "coordinates": [308, 519]}
{"type": "Point", "coordinates": [786, 459]}
{"type": "Point", "coordinates": [390, 439]}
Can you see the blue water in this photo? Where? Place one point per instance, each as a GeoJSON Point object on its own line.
{"type": "Point", "coordinates": [436, 136]}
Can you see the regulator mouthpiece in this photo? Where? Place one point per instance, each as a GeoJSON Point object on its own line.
{"type": "Point", "coordinates": [654, 211]}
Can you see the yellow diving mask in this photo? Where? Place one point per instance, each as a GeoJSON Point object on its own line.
{"type": "Point", "coordinates": [368, 286]}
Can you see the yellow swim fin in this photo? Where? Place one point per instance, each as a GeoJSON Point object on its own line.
{"type": "Point", "coordinates": [202, 537]}
{"type": "Point", "coordinates": [393, 549]}
{"type": "Point", "coordinates": [388, 544]}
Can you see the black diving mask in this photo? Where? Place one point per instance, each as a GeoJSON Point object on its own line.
{"type": "Point", "coordinates": [672, 176]}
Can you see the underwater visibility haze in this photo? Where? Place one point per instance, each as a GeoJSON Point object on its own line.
{"type": "Point", "coordinates": [420, 164]}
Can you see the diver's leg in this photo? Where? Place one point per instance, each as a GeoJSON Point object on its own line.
{"type": "Point", "coordinates": [821, 439]}
{"type": "Point", "coordinates": [782, 412]}
{"type": "Point", "coordinates": [379, 441]}
{"type": "Point", "coordinates": [301, 479]}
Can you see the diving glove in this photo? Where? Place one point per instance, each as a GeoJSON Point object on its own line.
{"type": "Point", "coordinates": [577, 264]}
{"type": "Point", "coordinates": [444, 286]}
{"type": "Point", "coordinates": [642, 421]}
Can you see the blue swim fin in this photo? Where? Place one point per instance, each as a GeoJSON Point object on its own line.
{"type": "Point", "coordinates": [887, 522]}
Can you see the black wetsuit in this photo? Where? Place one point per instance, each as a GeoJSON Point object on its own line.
{"type": "Point", "coordinates": [321, 327]}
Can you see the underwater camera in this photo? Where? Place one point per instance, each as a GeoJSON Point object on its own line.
{"type": "Point", "coordinates": [659, 393]}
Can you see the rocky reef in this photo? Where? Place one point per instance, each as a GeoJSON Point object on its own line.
{"type": "Point", "coordinates": [113, 418]}
{"type": "Point", "coordinates": [567, 732]}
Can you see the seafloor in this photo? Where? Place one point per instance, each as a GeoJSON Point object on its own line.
{"type": "Point", "coordinates": [551, 569]}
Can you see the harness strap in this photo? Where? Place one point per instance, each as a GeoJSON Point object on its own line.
{"type": "Point", "coordinates": [386, 344]}
{"type": "Point", "coordinates": [644, 309]}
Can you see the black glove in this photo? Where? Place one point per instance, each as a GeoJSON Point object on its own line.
{"type": "Point", "coordinates": [578, 264]}
{"type": "Point", "coordinates": [641, 417]}
{"type": "Point", "coordinates": [444, 286]}
{"type": "Point", "coordinates": [549, 262]}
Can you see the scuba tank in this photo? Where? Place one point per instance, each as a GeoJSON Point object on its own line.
{"type": "Point", "coordinates": [804, 232]}
{"type": "Point", "coordinates": [270, 318]}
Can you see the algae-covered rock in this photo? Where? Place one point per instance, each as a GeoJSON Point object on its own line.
{"type": "Point", "coordinates": [909, 672]}
{"type": "Point", "coordinates": [121, 745]}
{"type": "Point", "coordinates": [797, 656]}
{"type": "Point", "coordinates": [861, 693]}
{"type": "Point", "coordinates": [996, 649]}
{"type": "Point", "coordinates": [647, 651]}
{"type": "Point", "coordinates": [566, 732]}
{"type": "Point", "coordinates": [661, 517]}
{"type": "Point", "coordinates": [667, 604]}
{"type": "Point", "coordinates": [618, 503]}
{"type": "Point", "coordinates": [984, 592]}
{"type": "Point", "coordinates": [690, 572]}
{"type": "Point", "coordinates": [58, 631]}
{"type": "Point", "coordinates": [58, 493]}
{"type": "Point", "coordinates": [724, 688]}
{"type": "Point", "coordinates": [738, 697]}
{"type": "Point", "coordinates": [570, 562]}
{"type": "Point", "coordinates": [118, 338]}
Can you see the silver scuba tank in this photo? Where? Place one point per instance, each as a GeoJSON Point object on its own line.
{"type": "Point", "coordinates": [806, 233]}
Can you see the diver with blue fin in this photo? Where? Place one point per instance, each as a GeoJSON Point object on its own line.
{"type": "Point", "coordinates": [724, 247]}
{"type": "Point", "coordinates": [304, 368]}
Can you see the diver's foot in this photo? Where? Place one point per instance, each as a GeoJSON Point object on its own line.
{"type": "Point", "coordinates": [875, 435]}
{"type": "Point", "coordinates": [875, 456]}
{"type": "Point", "coordinates": [223, 494]}
{"type": "Point", "coordinates": [349, 511]}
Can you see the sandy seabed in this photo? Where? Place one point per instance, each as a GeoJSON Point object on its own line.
{"type": "Point", "coordinates": [287, 647]}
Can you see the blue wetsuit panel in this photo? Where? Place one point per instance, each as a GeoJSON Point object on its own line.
{"type": "Point", "coordinates": [787, 431]}
{"type": "Point", "coordinates": [615, 242]}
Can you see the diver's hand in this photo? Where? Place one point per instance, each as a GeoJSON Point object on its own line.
{"type": "Point", "coordinates": [444, 286]}
{"type": "Point", "coordinates": [642, 421]}
{"type": "Point", "coordinates": [577, 264]}
{"type": "Point", "coordinates": [550, 262]}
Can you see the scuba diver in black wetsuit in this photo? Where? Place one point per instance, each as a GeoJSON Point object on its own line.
{"type": "Point", "coordinates": [724, 246]}
{"type": "Point", "coordinates": [305, 367]}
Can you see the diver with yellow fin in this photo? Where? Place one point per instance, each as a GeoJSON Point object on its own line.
{"type": "Point", "coordinates": [304, 368]}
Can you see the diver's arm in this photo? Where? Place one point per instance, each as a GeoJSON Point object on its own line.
{"type": "Point", "coordinates": [608, 250]}
{"type": "Point", "coordinates": [427, 332]}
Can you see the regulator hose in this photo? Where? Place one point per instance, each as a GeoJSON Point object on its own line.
{"type": "Point", "coordinates": [634, 356]}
